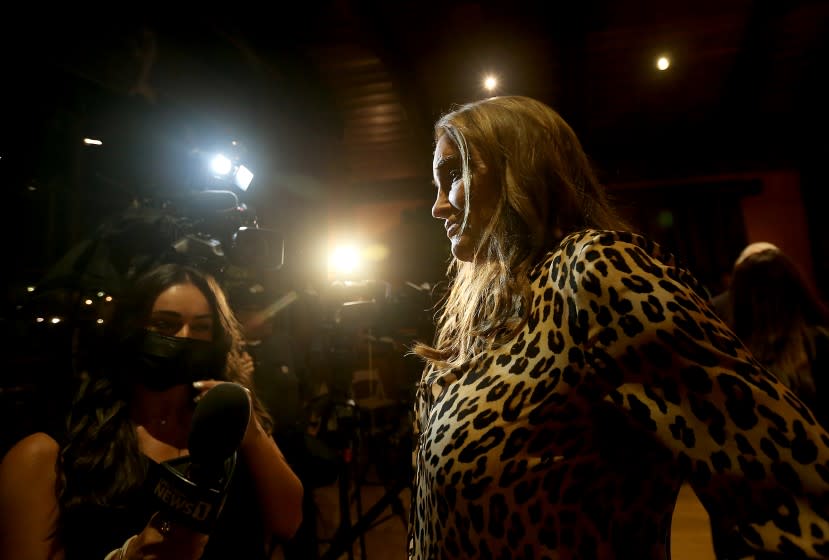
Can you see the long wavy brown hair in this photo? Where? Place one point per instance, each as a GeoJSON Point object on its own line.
{"type": "Point", "coordinates": [548, 189]}
{"type": "Point", "coordinates": [100, 461]}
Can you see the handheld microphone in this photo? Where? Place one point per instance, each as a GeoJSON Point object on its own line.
{"type": "Point", "coordinates": [191, 490]}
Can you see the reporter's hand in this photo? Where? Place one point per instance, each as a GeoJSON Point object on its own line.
{"type": "Point", "coordinates": [162, 540]}
{"type": "Point", "coordinates": [246, 366]}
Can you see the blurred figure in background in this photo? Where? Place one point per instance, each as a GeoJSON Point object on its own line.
{"type": "Point", "coordinates": [785, 324]}
{"type": "Point", "coordinates": [783, 321]}
{"type": "Point", "coordinates": [276, 364]}
{"type": "Point", "coordinates": [269, 359]}
{"type": "Point", "coordinates": [721, 302]}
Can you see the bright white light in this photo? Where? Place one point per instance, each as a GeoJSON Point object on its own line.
{"type": "Point", "coordinates": [92, 142]}
{"type": "Point", "coordinates": [345, 259]}
{"type": "Point", "coordinates": [490, 83]}
{"type": "Point", "coordinates": [88, 301]}
{"type": "Point", "coordinates": [221, 165]}
{"type": "Point", "coordinates": [663, 62]}
{"type": "Point", "coordinates": [100, 321]}
{"type": "Point", "coordinates": [30, 289]}
{"type": "Point", "coordinates": [55, 320]}
{"type": "Point", "coordinates": [243, 177]}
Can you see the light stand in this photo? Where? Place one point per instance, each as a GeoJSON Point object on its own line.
{"type": "Point", "coordinates": [356, 317]}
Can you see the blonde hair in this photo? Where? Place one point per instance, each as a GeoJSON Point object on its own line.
{"type": "Point", "coordinates": [548, 190]}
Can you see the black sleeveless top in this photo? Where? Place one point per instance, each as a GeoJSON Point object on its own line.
{"type": "Point", "coordinates": [91, 532]}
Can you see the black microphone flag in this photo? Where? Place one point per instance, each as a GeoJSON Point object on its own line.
{"type": "Point", "coordinates": [191, 490]}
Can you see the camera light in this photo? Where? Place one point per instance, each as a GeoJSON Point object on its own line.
{"type": "Point", "coordinates": [221, 165]}
{"type": "Point", "coordinates": [344, 260]}
{"type": "Point", "coordinates": [243, 177]}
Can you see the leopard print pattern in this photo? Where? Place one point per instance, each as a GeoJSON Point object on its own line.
{"type": "Point", "coordinates": [572, 439]}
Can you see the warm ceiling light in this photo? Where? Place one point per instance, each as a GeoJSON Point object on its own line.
{"type": "Point", "coordinates": [663, 62]}
{"type": "Point", "coordinates": [92, 142]}
{"type": "Point", "coordinates": [490, 83]}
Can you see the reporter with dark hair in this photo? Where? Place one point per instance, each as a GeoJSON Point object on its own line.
{"type": "Point", "coordinates": [86, 496]}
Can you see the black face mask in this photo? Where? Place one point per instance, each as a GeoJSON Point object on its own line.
{"type": "Point", "coordinates": [159, 362]}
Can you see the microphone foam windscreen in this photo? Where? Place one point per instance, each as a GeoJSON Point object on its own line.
{"type": "Point", "coordinates": [219, 423]}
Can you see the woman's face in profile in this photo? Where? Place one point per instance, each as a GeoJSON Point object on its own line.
{"type": "Point", "coordinates": [450, 201]}
{"type": "Point", "coordinates": [182, 311]}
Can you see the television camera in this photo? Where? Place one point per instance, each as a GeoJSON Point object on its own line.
{"type": "Point", "coordinates": [209, 229]}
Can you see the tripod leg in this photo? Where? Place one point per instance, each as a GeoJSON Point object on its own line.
{"type": "Point", "coordinates": [358, 491]}
{"type": "Point", "coordinates": [345, 506]}
{"type": "Point", "coordinates": [343, 539]}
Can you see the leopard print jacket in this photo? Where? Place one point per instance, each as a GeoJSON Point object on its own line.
{"type": "Point", "coordinates": [572, 439]}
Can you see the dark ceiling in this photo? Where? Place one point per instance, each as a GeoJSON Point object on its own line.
{"type": "Point", "coordinates": [334, 101]}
